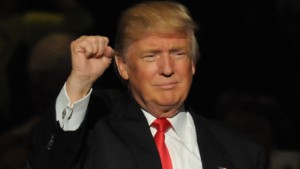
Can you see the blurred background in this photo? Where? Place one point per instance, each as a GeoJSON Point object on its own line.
{"type": "Point", "coordinates": [248, 76]}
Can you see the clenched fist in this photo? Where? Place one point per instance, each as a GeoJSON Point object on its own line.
{"type": "Point", "coordinates": [91, 56]}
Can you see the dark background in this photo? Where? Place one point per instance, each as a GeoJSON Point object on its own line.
{"type": "Point", "coordinates": [247, 77]}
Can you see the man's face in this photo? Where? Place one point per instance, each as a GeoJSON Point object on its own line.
{"type": "Point", "coordinates": [159, 71]}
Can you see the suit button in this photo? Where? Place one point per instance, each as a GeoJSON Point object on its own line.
{"type": "Point", "coordinates": [50, 143]}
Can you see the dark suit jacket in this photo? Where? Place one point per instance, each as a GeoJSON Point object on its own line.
{"type": "Point", "coordinates": [115, 135]}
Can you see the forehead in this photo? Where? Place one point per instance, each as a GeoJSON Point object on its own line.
{"type": "Point", "coordinates": [161, 40]}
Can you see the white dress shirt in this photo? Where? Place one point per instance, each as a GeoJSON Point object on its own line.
{"type": "Point", "coordinates": [181, 139]}
{"type": "Point", "coordinates": [70, 116]}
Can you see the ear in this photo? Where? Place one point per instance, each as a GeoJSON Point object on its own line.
{"type": "Point", "coordinates": [121, 66]}
{"type": "Point", "coordinates": [193, 67]}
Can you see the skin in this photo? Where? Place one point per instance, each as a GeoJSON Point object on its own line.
{"type": "Point", "coordinates": [158, 69]}
{"type": "Point", "coordinates": [91, 56]}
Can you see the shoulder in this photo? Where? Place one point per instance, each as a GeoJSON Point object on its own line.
{"type": "Point", "coordinates": [230, 136]}
{"type": "Point", "coordinates": [225, 134]}
{"type": "Point", "coordinates": [236, 144]}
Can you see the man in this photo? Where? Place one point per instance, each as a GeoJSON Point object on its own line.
{"type": "Point", "coordinates": [155, 54]}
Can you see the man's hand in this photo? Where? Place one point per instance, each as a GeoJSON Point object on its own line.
{"type": "Point", "coordinates": [91, 56]}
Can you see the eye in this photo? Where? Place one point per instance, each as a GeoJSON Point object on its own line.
{"type": "Point", "coordinates": [149, 57]}
{"type": "Point", "coordinates": [179, 54]}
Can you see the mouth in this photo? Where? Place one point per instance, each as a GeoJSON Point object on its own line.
{"type": "Point", "coordinates": [167, 86]}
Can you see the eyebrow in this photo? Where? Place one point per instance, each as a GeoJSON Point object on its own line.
{"type": "Point", "coordinates": [173, 49]}
{"type": "Point", "coordinates": [176, 49]}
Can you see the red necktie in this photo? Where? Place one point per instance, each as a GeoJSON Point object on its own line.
{"type": "Point", "coordinates": [162, 124]}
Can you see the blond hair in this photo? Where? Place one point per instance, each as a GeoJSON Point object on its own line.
{"type": "Point", "coordinates": [155, 17]}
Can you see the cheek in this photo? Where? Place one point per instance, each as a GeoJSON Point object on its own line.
{"type": "Point", "coordinates": [143, 71]}
{"type": "Point", "coordinates": [185, 70]}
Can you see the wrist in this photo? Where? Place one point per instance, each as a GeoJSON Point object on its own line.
{"type": "Point", "coordinates": [77, 88]}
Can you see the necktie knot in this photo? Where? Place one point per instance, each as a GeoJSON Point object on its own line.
{"type": "Point", "coordinates": [161, 124]}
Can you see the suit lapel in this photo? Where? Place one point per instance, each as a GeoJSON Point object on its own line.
{"type": "Point", "coordinates": [212, 152]}
{"type": "Point", "coordinates": [131, 125]}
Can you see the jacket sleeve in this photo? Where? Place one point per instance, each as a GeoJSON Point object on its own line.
{"type": "Point", "coordinates": [51, 147]}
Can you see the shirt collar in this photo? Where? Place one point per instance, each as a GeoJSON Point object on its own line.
{"type": "Point", "coordinates": [178, 121]}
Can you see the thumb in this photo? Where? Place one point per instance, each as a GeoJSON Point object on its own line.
{"type": "Point", "coordinates": [108, 52]}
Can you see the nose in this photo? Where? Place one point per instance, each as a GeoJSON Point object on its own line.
{"type": "Point", "coordinates": [166, 66]}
